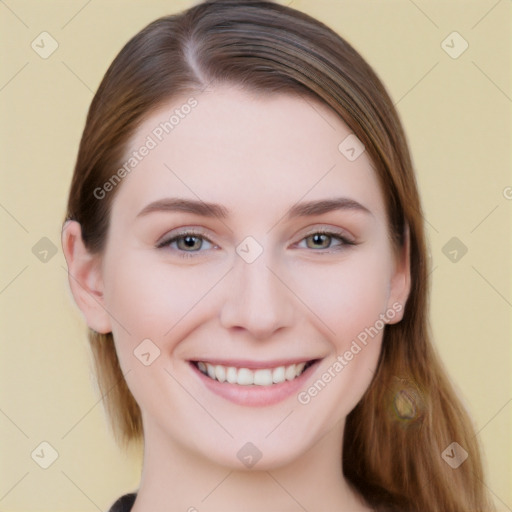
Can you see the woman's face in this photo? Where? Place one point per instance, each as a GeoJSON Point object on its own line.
{"type": "Point", "coordinates": [247, 243]}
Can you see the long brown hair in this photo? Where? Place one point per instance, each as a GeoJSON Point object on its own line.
{"type": "Point", "coordinates": [395, 436]}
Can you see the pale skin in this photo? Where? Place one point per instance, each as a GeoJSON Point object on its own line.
{"type": "Point", "coordinates": [303, 297]}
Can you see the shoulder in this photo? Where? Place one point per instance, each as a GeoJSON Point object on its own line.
{"type": "Point", "coordinates": [124, 503]}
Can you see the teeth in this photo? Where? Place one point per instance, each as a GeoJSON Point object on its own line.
{"type": "Point", "coordinates": [278, 374]}
{"type": "Point", "coordinates": [210, 370]}
{"type": "Point", "coordinates": [289, 372]}
{"type": "Point", "coordinates": [220, 373]}
{"type": "Point", "coordinates": [231, 375]}
{"type": "Point", "coordinates": [246, 377]}
{"type": "Point", "coordinates": [300, 368]}
{"type": "Point", "coordinates": [263, 377]}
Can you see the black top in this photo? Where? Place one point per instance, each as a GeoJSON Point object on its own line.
{"type": "Point", "coordinates": [124, 503]}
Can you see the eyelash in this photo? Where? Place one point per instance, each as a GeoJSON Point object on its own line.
{"type": "Point", "coordinates": [337, 235]}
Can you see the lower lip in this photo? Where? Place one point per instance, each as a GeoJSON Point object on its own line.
{"type": "Point", "coordinates": [256, 396]}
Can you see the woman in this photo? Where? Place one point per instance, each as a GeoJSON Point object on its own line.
{"type": "Point", "coordinates": [244, 237]}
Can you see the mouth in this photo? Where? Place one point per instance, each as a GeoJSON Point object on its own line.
{"type": "Point", "coordinates": [254, 384]}
{"type": "Point", "coordinates": [243, 376]}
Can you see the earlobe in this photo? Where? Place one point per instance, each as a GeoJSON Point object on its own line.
{"type": "Point", "coordinates": [400, 285]}
{"type": "Point", "coordinates": [85, 279]}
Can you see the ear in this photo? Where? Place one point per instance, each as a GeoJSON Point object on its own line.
{"type": "Point", "coordinates": [85, 279]}
{"type": "Point", "coordinates": [400, 285]}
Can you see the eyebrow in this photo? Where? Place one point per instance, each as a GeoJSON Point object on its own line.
{"type": "Point", "coordinates": [198, 207]}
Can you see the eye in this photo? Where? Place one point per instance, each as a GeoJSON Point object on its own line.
{"type": "Point", "coordinates": [324, 240]}
{"type": "Point", "coordinates": [186, 242]}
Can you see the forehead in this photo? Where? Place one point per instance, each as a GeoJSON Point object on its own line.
{"type": "Point", "coordinates": [232, 146]}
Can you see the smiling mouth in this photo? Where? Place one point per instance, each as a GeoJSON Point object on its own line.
{"type": "Point", "coordinates": [257, 377]}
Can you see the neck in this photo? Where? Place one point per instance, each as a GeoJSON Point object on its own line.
{"type": "Point", "coordinates": [175, 478]}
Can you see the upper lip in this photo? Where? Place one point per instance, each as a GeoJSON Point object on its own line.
{"type": "Point", "coordinates": [253, 364]}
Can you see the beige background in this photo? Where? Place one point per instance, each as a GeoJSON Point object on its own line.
{"type": "Point", "coordinates": [457, 116]}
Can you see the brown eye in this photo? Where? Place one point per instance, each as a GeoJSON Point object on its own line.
{"type": "Point", "coordinates": [318, 241]}
{"type": "Point", "coordinates": [189, 243]}
{"type": "Point", "coordinates": [186, 244]}
{"type": "Point", "coordinates": [326, 240]}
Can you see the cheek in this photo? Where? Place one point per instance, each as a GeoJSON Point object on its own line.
{"type": "Point", "coordinates": [350, 301]}
{"type": "Point", "coordinates": [347, 297]}
{"type": "Point", "coordinates": [149, 299]}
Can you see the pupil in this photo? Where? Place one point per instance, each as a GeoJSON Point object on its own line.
{"type": "Point", "coordinates": [190, 241]}
{"type": "Point", "coordinates": [319, 239]}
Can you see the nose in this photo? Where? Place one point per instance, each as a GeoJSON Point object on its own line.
{"type": "Point", "coordinates": [257, 300]}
